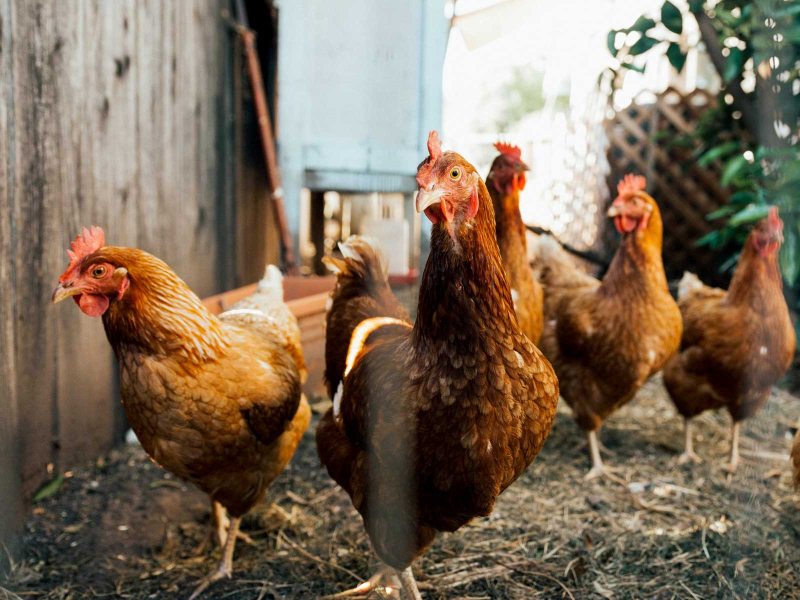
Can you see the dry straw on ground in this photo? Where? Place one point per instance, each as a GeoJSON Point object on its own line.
{"type": "Point", "coordinates": [124, 528]}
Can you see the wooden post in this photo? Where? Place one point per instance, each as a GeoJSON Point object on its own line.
{"type": "Point", "coordinates": [317, 230]}
{"type": "Point", "coordinates": [267, 138]}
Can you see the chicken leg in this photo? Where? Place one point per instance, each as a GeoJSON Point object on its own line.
{"type": "Point", "coordinates": [410, 589]}
{"type": "Point", "coordinates": [597, 462]}
{"type": "Point", "coordinates": [734, 462]}
{"type": "Point", "coordinates": [222, 523]}
{"type": "Point", "coordinates": [225, 568]}
{"type": "Point", "coordinates": [688, 449]}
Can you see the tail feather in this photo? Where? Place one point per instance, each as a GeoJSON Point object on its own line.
{"type": "Point", "coordinates": [688, 283]}
{"type": "Point", "coordinates": [362, 292]}
{"type": "Point", "coordinates": [360, 260]}
{"type": "Point", "coordinates": [552, 266]}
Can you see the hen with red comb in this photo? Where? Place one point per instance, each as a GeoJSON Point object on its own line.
{"type": "Point", "coordinates": [431, 420]}
{"type": "Point", "coordinates": [606, 338]}
{"type": "Point", "coordinates": [736, 344]}
{"type": "Point", "coordinates": [214, 400]}
{"type": "Point", "coordinates": [506, 179]}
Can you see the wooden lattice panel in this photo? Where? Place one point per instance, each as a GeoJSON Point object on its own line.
{"type": "Point", "coordinates": [577, 194]}
{"type": "Point", "coordinates": [639, 142]}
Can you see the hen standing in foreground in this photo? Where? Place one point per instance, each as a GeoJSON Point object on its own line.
{"type": "Point", "coordinates": [505, 181]}
{"type": "Point", "coordinates": [606, 338]}
{"type": "Point", "coordinates": [736, 344]}
{"type": "Point", "coordinates": [216, 401]}
{"type": "Point", "coordinates": [433, 421]}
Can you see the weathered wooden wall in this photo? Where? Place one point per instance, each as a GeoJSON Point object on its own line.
{"type": "Point", "coordinates": [123, 114]}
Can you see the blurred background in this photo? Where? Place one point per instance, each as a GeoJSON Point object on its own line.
{"type": "Point", "coordinates": [225, 135]}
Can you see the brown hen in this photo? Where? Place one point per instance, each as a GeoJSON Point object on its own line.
{"type": "Point", "coordinates": [736, 344]}
{"type": "Point", "coordinates": [606, 338]}
{"type": "Point", "coordinates": [433, 420]}
{"type": "Point", "coordinates": [216, 401]}
{"type": "Point", "coordinates": [505, 181]}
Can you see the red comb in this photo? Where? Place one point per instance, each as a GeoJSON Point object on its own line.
{"type": "Point", "coordinates": [88, 241]}
{"type": "Point", "coordinates": [773, 219]}
{"type": "Point", "coordinates": [631, 184]}
{"type": "Point", "coordinates": [434, 145]}
{"type": "Point", "coordinates": [425, 169]}
{"type": "Point", "coordinates": [509, 150]}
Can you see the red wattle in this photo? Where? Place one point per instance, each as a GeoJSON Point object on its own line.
{"type": "Point", "coordinates": [93, 305]}
{"type": "Point", "coordinates": [625, 224]}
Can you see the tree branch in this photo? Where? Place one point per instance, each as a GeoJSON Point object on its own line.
{"type": "Point", "coordinates": [741, 100]}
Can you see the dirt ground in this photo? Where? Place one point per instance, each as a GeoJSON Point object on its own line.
{"type": "Point", "coordinates": [123, 528]}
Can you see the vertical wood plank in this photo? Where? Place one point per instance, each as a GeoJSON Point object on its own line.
{"type": "Point", "coordinates": [10, 496]}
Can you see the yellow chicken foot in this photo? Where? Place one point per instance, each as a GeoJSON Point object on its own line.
{"type": "Point", "coordinates": [597, 462]}
{"type": "Point", "coordinates": [225, 568]}
{"type": "Point", "coordinates": [385, 579]}
{"type": "Point", "coordinates": [688, 451]}
{"type": "Point", "coordinates": [734, 462]}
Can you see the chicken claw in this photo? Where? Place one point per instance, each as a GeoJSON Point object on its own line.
{"type": "Point", "coordinates": [388, 581]}
{"type": "Point", "coordinates": [225, 569]}
{"type": "Point", "coordinates": [689, 456]}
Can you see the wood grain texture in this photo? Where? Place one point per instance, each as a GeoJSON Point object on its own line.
{"type": "Point", "coordinates": [118, 114]}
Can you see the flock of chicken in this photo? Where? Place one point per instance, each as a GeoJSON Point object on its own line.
{"type": "Point", "coordinates": [431, 420]}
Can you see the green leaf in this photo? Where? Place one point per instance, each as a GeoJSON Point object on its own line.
{"type": "Point", "coordinates": [733, 168]}
{"type": "Point", "coordinates": [753, 212]}
{"type": "Point", "coordinates": [676, 56]}
{"type": "Point", "coordinates": [723, 211]}
{"type": "Point", "coordinates": [717, 152]}
{"type": "Point", "coordinates": [671, 18]}
{"type": "Point", "coordinates": [712, 238]}
{"type": "Point", "coordinates": [741, 197]}
{"type": "Point", "coordinates": [729, 264]}
{"type": "Point", "coordinates": [49, 488]}
{"type": "Point", "coordinates": [789, 11]}
{"type": "Point", "coordinates": [790, 256]}
{"type": "Point", "coordinates": [643, 44]}
{"type": "Point", "coordinates": [642, 24]}
{"type": "Point", "coordinates": [632, 67]}
{"type": "Point", "coordinates": [610, 40]}
{"type": "Point", "coordinates": [733, 65]}
{"type": "Point", "coordinates": [696, 5]}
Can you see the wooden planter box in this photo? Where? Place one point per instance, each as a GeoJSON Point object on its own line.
{"type": "Point", "coordinates": [306, 297]}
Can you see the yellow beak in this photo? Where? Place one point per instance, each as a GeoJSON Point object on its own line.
{"type": "Point", "coordinates": [62, 293]}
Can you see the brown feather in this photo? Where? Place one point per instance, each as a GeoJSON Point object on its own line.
{"type": "Point", "coordinates": [511, 240]}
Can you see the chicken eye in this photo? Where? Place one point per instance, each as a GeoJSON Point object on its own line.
{"type": "Point", "coordinates": [455, 173]}
{"type": "Point", "coordinates": [98, 271]}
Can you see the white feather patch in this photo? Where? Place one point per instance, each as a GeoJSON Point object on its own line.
{"type": "Point", "coordinates": [337, 400]}
{"type": "Point", "coordinates": [244, 311]}
{"type": "Point", "coordinates": [362, 332]}
{"type": "Point", "coordinates": [349, 252]}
